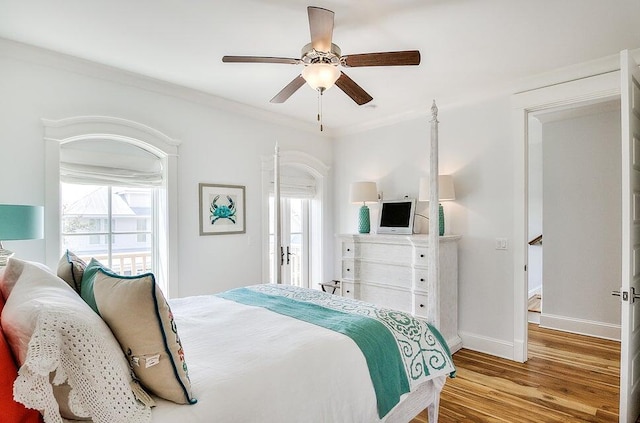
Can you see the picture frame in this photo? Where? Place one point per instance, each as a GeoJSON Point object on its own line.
{"type": "Point", "coordinates": [222, 209]}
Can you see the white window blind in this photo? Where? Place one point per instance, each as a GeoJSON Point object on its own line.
{"type": "Point", "coordinates": [109, 162]}
{"type": "Point", "coordinates": [295, 184]}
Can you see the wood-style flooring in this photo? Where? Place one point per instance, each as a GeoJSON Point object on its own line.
{"type": "Point", "coordinates": [568, 378]}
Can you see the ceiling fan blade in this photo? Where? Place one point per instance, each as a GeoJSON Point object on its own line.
{"type": "Point", "coordinates": [391, 58]}
{"type": "Point", "coordinates": [321, 28]}
{"type": "Point", "coordinates": [287, 91]}
{"type": "Point", "coordinates": [257, 59]}
{"type": "Point", "coordinates": [353, 90]}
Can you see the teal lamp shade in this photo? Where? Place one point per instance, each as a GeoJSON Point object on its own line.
{"type": "Point", "coordinates": [363, 192]}
{"type": "Point", "coordinates": [19, 222]}
{"type": "Point", "coordinates": [446, 192]}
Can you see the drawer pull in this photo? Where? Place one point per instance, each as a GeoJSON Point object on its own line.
{"type": "Point", "coordinates": [348, 270]}
{"type": "Point", "coordinates": [421, 279]}
{"type": "Point", "coordinates": [421, 305]}
{"type": "Point", "coordinates": [422, 255]}
{"type": "Point", "coordinates": [348, 291]}
{"type": "Point", "coordinates": [348, 249]}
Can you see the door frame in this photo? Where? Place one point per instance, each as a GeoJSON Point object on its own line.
{"type": "Point", "coordinates": [602, 87]}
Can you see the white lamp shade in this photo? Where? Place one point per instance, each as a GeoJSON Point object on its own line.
{"type": "Point", "coordinates": [446, 191]}
{"type": "Point", "coordinates": [320, 75]}
{"type": "Point", "coordinates": [362, 192]}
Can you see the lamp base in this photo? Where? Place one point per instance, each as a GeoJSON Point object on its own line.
{"type": "Point", "coordinates": [4, 256]}
{"type": "Point", "coordinates": [364, 223]}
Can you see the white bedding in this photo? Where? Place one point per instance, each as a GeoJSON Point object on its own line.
{"type": "Point", "coordinates": [249, 364]}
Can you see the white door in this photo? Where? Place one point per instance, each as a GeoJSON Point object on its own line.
{"type": "Point", "coordinates": [294, 254]}
{"type": "Point", "coordinates": [630, 345]}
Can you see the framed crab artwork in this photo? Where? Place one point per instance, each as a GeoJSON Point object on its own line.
{"type": "Point", "coordinates": [222, 209]}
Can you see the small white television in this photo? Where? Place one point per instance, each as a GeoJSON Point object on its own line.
{"type": "Point", "coordinates": [396, 216]}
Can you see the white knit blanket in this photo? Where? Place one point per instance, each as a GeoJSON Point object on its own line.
{"type": "Point", "coordinates": [99, 385]}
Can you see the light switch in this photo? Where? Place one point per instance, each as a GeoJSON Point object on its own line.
{"type": "Point", "coordinates": [501, 243]}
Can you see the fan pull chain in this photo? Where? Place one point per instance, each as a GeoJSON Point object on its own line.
{"type": "Point", "coordinates": [320, 91]}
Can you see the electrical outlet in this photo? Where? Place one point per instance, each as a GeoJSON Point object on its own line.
{"type": "Point", "coordinates": [501, 244]}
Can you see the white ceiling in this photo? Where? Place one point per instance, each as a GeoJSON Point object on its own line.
{"type": "Point", "coordinates": [467, 46]}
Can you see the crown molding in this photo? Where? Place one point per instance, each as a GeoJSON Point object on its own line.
{"type": "Point", "coordinates": [558, 76]}
{"type": "Point", "coordinates": [44, 57]}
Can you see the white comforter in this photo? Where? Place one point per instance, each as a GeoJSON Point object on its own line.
{"type": "Point", "coordinates": [249, 364]}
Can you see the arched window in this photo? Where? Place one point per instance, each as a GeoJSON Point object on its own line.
{"type": "Point", "coordinates": [111, 194]}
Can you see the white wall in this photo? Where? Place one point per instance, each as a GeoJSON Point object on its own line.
{"type": "Point", "coordinates": [582, 226]}
{"type": "Point", "coordinates": [535, 263]}
{"type": "Point", "coordinates": [475, 147]}
{"type": "Point", "coordinates": [218, 146]}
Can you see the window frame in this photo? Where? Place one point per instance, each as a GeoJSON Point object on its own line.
{"type": "Point", "coordinates": [79, 128]}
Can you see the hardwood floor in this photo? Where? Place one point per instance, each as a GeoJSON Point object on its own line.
{"type": "Point", "coordinates": [568, 378]}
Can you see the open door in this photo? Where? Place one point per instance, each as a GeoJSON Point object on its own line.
{"type": "Point", "coordinates": [630, 292]}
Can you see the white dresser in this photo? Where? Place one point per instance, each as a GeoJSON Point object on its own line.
{"type": "Point", "coordinates": [391, 271]}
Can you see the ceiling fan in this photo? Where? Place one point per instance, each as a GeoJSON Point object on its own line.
{"type": "Point", "coordinates": [321, 59]}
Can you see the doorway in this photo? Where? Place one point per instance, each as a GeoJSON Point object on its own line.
{"type": "Point", "coordinates": [294, 254]}
{"type": "Point", "coordinates": [602, 87]}
{"type": "Point", "coordinates": [574, 191]}
{"type": "Point", "coordinates": [304, 204]}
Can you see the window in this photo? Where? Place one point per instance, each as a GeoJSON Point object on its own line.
{"type": "Point", "coordinates": [129, 161]}
{"type": "Point", "coordinates": [109, 223]}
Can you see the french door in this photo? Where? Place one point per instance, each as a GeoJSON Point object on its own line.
{"type": "Point", "coordinates": [294, 253]}
{"type": "Point", "coordinates": [630, 290]}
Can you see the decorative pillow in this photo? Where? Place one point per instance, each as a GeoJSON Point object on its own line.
{"type": "Point", "coordinates": [11, 410]}
{"type": "Point", "coordinates": [70, 269]}
{"type": "Point", "coordinates": [12, 273]}
{"type": "Point", "coordinates": [140, 318]}
{"type": "Point", "coordinates": [56, 338]}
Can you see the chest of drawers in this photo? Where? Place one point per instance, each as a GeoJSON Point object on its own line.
{"type": "Point", "coordinates": [392, 271]}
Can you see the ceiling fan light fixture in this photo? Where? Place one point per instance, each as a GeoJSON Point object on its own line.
{"type": "Point", "coordinates": [320, 75]}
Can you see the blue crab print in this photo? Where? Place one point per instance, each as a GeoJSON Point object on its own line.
{"type": "Point", "coordinates": [222, 211]}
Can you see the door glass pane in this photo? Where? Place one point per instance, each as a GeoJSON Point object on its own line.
{"type": "Point", "coordinates": [295, 242]}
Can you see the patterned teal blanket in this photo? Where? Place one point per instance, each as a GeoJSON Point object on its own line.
{"type": "Point", "coordinates": [401, 351]}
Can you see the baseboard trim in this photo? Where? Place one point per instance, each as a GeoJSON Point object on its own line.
{"type": "Point", "coordinates": [533, 317]}
{"type": "Point", "coordinates": [580, 326]}
{"type": "Point", "coordinates": [487, 345]}
{"type": "Point", "coordinates": [454, 344]}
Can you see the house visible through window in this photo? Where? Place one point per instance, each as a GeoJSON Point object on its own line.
{"type": "Point", "coordinates": [110, 223]}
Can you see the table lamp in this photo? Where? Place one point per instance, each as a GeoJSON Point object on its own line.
{"type": "Point", "coordinates": [17, 223]}
{"type": "Point", "coordinates": [363, 192]}
{"type": "Point", "coordinates": [446, 192]}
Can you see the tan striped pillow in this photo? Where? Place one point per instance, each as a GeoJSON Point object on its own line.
{"type": "Point", "coordinates": [140, 318]}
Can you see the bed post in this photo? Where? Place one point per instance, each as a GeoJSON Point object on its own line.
{"type": "Point", "coordinates": [434, 230]}
{"type": "Point", "coordinates": [277, 242]}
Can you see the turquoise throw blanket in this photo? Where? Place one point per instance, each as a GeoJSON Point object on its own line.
{"type": "Point", "coordinates": [400, 351]}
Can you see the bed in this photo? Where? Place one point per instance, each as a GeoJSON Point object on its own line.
{"type": "Point", "coordinates": [267, 352]}
{"type": "Point", "coordinates": [92, 344]}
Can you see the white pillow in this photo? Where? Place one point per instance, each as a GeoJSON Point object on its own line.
{"type": "Point", "coordinates": [51, 329]}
